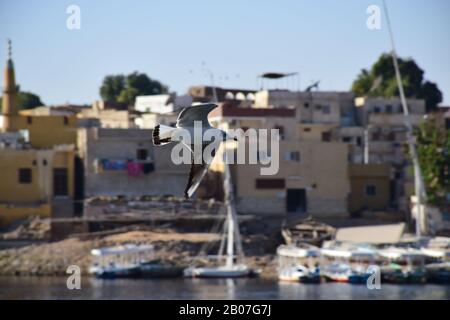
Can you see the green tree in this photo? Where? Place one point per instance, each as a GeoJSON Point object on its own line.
{"type": "Point", "coordinates": [380, 81]}
{"type": "Point", "coordinates": [433, 149]}
{"type": "Point", "coordinates": [111, 87]}
{"type": "Point", "coordinates": [124, 89]}
{"type": "Point", "coordinates": [26, 100]}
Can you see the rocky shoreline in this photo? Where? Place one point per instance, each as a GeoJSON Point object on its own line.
{"type": "Point", "coordinates": [53, 258]}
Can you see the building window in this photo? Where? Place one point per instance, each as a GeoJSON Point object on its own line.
{"type": "Point", "coordinates": [25, 175]}
{"type": "Point", "coordinates": [376, 136]}
{"type": "Point", "coordinates": [326, 136]}
{"type": "Point", "coordinates": [371, 190]}
{"type": "Point", "coordinates": [376, 109]}
{"type": "Point", "coordinates": [389, 108]}
{"type": "Point", "coordinates": [60, 182]}
{"type": "Point", "coordinates": [306, 129]}
{"type": "Point", "coordinates": [326, 109]}
{"type": "Point", "coordinates": [306, 105]}
{"type": "Point", "coordinates": [318, 107]}
{"type": "Point", "coordinates": [292, 156]}
{"type": "Point", "coordinates": [66, 121]}
{"type": "Point", "coordinates": [391, 136]}
{"type": "Point", "coordinates": [347, 139]}
{"type": "Point", "coordinates": [29, 120]}
{"type": "Point", "coordinates": [358, 141]}
{"type": "Point", "coordinates": [141, 154]}
{"type": "Point", "coordinates": [270, 183]}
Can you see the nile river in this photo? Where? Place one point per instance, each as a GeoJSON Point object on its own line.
{"type": "Point", "coordinates": [55, 288]}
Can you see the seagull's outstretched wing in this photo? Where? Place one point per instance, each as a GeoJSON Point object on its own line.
{"type": "Point", "coordinates": [196, 175]}
{"type": "Point", "coordinates": [198, 112]}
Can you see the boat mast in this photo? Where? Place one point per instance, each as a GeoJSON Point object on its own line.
{"type": "Point", "coordinates": [233, 235]}
{"type": "Point", "coordinates": [230, 238]}
{"type": "Point", "coordinates": [418, 182]}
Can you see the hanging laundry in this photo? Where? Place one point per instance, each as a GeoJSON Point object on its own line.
{"type": "Point", "coordinates": [134, 169]}
{"type": "Point", "coordinates": [113, 164]}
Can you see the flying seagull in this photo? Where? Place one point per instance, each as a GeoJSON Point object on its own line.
{"type": "Point", "coordinates": [165, 134]}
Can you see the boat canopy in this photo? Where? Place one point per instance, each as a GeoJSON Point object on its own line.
{"type": "Point", "coordinates": [124, 249]}
{"type": "Point", "coordinates": [353, 252]}
{"type": "Point", "coordinates": [436, 253]}
{"type": "Point", "coordinates": [401, 253]}
{"type": "Point", "coordinates": [296, 252]}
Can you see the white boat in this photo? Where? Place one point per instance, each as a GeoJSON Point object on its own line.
{"type": "Point", "coordinates": [347, 264]}
{"type": "Point", "coordinates": [234, 266]}
{"type": "Point", "coordinates": [441, 254]}
{"type": "Point", "coordinates": [234, 271]}
{"type": "Point", "coordinates": [403, 265]}
{"type": "Point", "coordinates": [120, 261]}
{"type": "Point", "coordinates": [298, 264]}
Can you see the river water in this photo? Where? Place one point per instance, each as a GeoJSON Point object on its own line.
{"type": "Point", "coordinates": [56, 288]}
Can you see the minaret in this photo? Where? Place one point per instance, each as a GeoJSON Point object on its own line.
{"type": "Point", "coordinates": [9, 107]}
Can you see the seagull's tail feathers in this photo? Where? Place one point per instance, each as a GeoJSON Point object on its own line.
{"type": "Point", "coordinates": [162, 134]}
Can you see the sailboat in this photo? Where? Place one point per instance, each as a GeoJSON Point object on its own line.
{"type": "Point", "coordinates": [234, 266]}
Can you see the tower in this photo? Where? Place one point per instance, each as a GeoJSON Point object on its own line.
{"type": "Point", "coordinates": [9, 101]}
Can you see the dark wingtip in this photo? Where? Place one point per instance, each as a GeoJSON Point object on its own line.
{"type": "Point", "coordinates": [156, 140]}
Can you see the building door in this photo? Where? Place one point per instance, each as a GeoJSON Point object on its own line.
{"type": "Point", "coordinates": [79, 187]}
{"type": "Point", "coordinates": [60, 182]}
{"type": "Point", "coordinates": [296, 200]}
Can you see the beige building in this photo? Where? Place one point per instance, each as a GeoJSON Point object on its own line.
{"type": "Point", "coordinates": [329, 107]}
{"type": "Point", "coordinates": [123, 162]}
{"type": "Point", "coordinates": [107, 118]}
{"type": "Point", "coordinates": [313, 172]}
{"type": "Point", "coordinates": [385, 137]}
{"type": "Point", "coordinates": [312, 180]}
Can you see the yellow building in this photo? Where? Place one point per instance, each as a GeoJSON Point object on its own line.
{"type": "Point", "coordinates": [370, 187]}
{"type": "Point", "coordinates": [33, 179]}
{"type": "Point", "coordinates": [44, 131]}
{"type": "Point", "coordinates": [39, 175]}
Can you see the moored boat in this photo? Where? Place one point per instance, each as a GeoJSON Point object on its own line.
{"type": "Point", "coordinates": [403, 265]}
{"type": "Point", "coordinates": [234, 266]}
{"type": "Point", "coordinates": [120, 261]}
{"type": "Point", "coordinates": [298, 263]}
{"type": "Point", "coordinates": [438, 273]}
{"type": "Point", "coordinates": [159, 269]}
{"type": "Point", "coordinates": [347, 263]}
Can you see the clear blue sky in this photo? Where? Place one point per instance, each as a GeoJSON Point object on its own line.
{"type": "Point", "coordinates": [168, 40]}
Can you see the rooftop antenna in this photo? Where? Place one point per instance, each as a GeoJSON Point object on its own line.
{"type": "Point", "coordinates": [211, 78]}
{"type": "Point", "coordinates": [314, 85]}
{"type": "Point", "coordinates": [418, 182]}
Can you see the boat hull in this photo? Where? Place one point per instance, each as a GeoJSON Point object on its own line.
{"type": "Point", "coordinates": [160, 271]}
{"type": "Point", "coordinates": [219, 272]}
{"type": "Point", "coordinates": [133, 272]}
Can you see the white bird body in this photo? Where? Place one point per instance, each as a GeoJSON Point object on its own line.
{"type": "Point", "coordinates": [192, 124]}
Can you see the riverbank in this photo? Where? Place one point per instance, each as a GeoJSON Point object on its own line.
{"type": "Point", "coordinates": [180, 248]}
